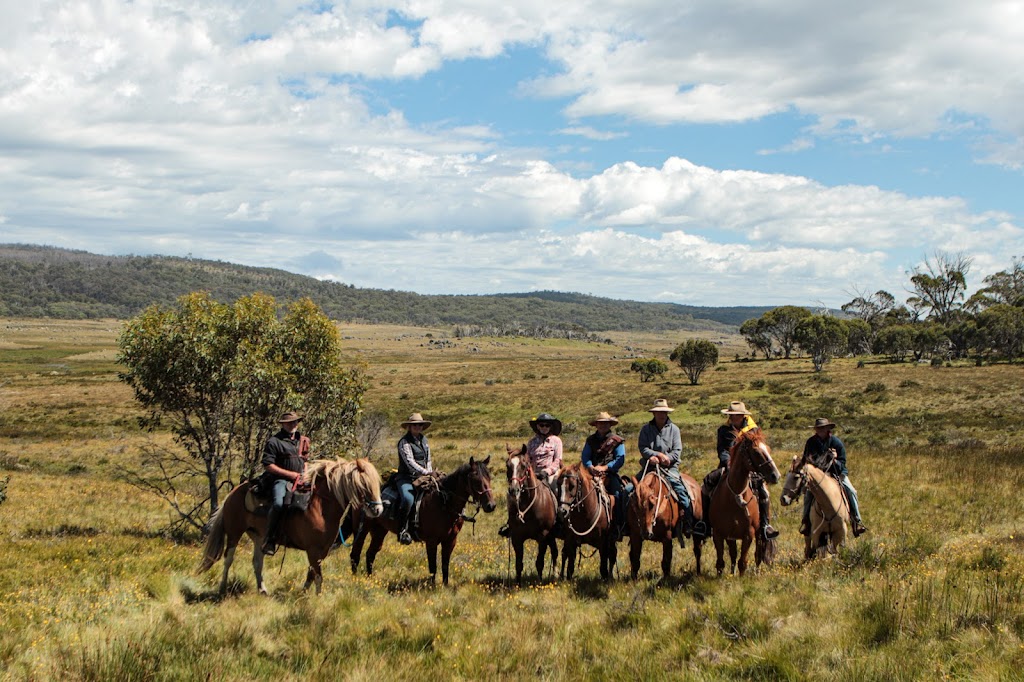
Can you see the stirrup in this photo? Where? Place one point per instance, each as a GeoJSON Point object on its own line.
{"type": "Point", "coordinates": [269, 549]}
{"type": "Point", "coordinates": [805, 528]}
{"type": "Point", "coordinates": [770, 533]}
{"type": "Point", "coordinates": [859, 529]}
{"type": "Point", "coordinates": [504, 531]}
{"type": "Point", "coordinates": [404, 538]}
{"type": "Point", "coordinates": [700, 529]}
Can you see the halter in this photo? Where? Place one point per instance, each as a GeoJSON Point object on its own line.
{"type": "Point", "coordinates": [657, 472]}
{"type": "Point", "coordinates": [578, 503]}
{"type": "Point", "coordinates": [520, 480]}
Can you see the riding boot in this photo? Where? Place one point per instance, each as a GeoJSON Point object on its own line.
{"type": "Point", "coordinates": [270, 541]}
{"type": "Point", "coordinates": [858, 528]}
{"type": "Point", "coordinates": [805, 525]}
{"type": "Point", "coordinates": [767, 529]}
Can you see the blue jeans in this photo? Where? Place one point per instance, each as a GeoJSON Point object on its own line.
{"type": "Point", "coordinates": [277, 493]}
{"type": "Point", "coordinates": [405, 498]}
{"type": "Point", "coordinates": [851, 493]}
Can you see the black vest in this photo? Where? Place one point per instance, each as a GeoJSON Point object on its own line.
{"type": "Point", "coordinates": [420, 454]}
{"type": "Point", "coordinates": [602, 448]}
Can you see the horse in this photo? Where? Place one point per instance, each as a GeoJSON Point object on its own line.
{"type": "Point", "coordinates": [830, 512]}
{"type": "Point", "coordinates": [652, 514]}
{"type": "Point", "coordinates": [733, 513]}
{"type": "Point", "coordinates": [337, 486]}
{"type": "Point", "coordinates": [440, 517]}
{"type": "Point", "coordinates": [532, 512]}
{"type": "Point", "coordinates": [586, 511]}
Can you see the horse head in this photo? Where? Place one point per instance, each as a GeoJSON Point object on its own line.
{"type": "Point", "coordinates": [517, 470]}
{"type": "Point", "coordinates": [648, 500]}
{"type": "Point", "coordinates": [752, 448]}
{"type": "Point", "coordinates": [570, 488]}
{"type": "Point", "coordinates": [367, 488]}
{"type": "Point", "coordinates": [796, 478]}
{"type": "Point", "coordinates": [480, 484]}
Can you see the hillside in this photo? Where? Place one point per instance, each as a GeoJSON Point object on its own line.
{"type": "Point", "coordinates": [40, 281]}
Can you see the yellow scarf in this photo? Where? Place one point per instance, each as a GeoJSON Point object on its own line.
{"type": "Point", "coordinates": [748, 424]}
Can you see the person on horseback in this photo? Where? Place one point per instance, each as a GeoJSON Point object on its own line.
{"type": "Point", "coordinates": [604, 453]}
{"type": "Point", "coordinates": [660, 444]}
{"type": "Point", "coordinates": [545, 453]}
{"type": "Point", "coordinates": [413, 461]}
{"type": "Point", "coordinates": [739, 420]}
{"type": "Point", "coordinates": [284, 459]}
{"type": "Point", "coordinates": [829, 454]}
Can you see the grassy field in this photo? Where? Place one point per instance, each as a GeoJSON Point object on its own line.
{"type": "Point", "coordinates": [91, 588]}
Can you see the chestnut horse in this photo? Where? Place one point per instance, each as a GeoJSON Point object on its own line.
{"type": "Point", "coordinates": [531, 512]}
{"type": "Point", "coordinates": [586, 511]}
{"type": "Point", "coordinates": [440, 517]}
{"type": "Point", "coordinates": [652, 515]}
{"type": "Point", "coordinates": [337, 485]}
{"type": "Point", "coordinates": [830, 512]}
{"type": "Point", "coordinates": [732, 513]}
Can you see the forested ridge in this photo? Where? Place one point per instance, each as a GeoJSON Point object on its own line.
{"type": "Point", "coordinates": [41, 281]}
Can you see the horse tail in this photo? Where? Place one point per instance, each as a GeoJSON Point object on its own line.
{"type": "Point", "coordinates": [214, 542]}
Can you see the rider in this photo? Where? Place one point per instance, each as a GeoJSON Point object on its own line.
{"type": "Point", "coordinates": [738, 421]}
{"type": "Point", "coordinates": [413, 462]}
{"type": "Point", "coordinates": [825, 449]}
{"type": "Point", "coordinates": [660, 444]}
{"type": "Point", "coordinates": [544, 452]}
{"type": "Point", "coordinates": [604, 453]}
{"type": "Point", "coordinates": [284, 458]}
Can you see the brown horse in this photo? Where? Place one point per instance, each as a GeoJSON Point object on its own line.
{"type": "Point", "coordinates": [440, 517]}
{"type": "Point", "coordinates": [586, 511]}
{"type": "Point", "coordinates": [830, 512]}
{"type": "Point", "coordinates": [733, 512]}
{"type": "Point", "coordinates": [531, 512]}
{"type": "Point", "coordinates": [337, 485]}
{"type": "Point", "coordinates": [652, 515]}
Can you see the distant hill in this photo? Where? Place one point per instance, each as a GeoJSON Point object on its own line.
{"type": "Point", "coordinates": [42, 281]}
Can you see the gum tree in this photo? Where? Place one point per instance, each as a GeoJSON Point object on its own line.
{"type": "Point", "coordinates": [216, 376]}
{"type": "Point", "coordinates": [695, 356]}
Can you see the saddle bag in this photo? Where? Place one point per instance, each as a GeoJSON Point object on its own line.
{"type": "Point", "coordinates": [298, 498]}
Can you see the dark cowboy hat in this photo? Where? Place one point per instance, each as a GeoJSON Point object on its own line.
{"type": "Point", "coordinates": [289, 417]}
{"type": "Point", "coordinates": [603, 417]}
{"type": "Point", "coordinates": [822, 422]}
{"type": "Point", "coordinates": [416, 418]}
{"type": "Point", "coordinates": [736, 407]}
{"type": "Point", "coordinates": [544, 417]}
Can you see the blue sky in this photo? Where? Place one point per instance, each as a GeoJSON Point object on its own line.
{"type": "Point", "coordinates": [709, 153]}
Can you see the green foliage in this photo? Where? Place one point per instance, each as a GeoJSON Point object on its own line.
{"type": "Point", "coordinates": [756, 333]}
{"type": "Point", "coordinates": [695, 356]}
{"type": "Point", "coordinates": [821, 337]}
{"type": "Point", "coordinates": [780, 324]}
{"type": "Point", "coordinates": [939, 285]}
{"type": "Point", "coordinates": [218, 376]}
{"type": "Point", "coordinates": [896, 342]}
{"type": "Point", "coordinates": [649, 368]}
{"type": "Point", "coordinates": [1001, 330]}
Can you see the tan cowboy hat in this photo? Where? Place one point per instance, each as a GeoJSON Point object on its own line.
{"type": "Point", "coordinates": [545, 418]}
{"type": "Point", "coordinates": [417, 418]}
{"type": "Point", "coordinates": [661, 405]}
{"type": "Point", "coordinates": [822, 422]}
{"type": "Point", "coordinates": [736, 407]}
{"type": "Point", "coordinates": [603, 417]}
{"type": "Point", "coordinates": [289, 417]}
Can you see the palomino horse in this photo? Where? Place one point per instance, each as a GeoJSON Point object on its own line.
{"type": "Point", "coordinates": [652, 515]}
{"type": "Point", "coordinates": [586, 512]}
{"type": "Point", "coordinates": [531, 512]}
{"type": "Point", "coordinates": [440, 517]}
{"type": "Point", "coordinates": [733, 512]}
{"type": "Point", "coordinates": [337, 485]}
{"type": "Point", "coordinates": [830, 513]}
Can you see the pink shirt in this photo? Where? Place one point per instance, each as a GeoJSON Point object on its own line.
{"type": "Point", "coordinates": [545, 454]}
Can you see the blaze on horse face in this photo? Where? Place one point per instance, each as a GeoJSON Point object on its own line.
{"type": "Point", "coordinates": [761, 462]}
{"type": "Point", "coordinates": [480, 484]}
{"type": "Point", "coordinates": [795, 480]}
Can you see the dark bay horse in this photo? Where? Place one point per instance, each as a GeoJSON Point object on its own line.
{"type": "Point", "coordinates": [586, 511]}
{"type": "Point", "coordinates": [830, 512]}
{"type": "Point", "coordinates": [440, 517]}
{"type": "Point", "coordinates": [532, 511]}
{"type": "Point", "coordinates": [733, 512]}
{"type": "Point", "coordinates": [337, 485]}
{"type": "Point", "coordinates": [652, 515]}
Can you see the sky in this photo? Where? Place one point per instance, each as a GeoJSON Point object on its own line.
{"type": "Point", "coordinates": [699, 152]}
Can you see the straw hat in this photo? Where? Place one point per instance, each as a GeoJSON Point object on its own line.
{"type": "Point", "coordinates": [416, 418]}
{"type": "Point", "coordinates": [661, 405]}
{"type": "Point", "coordinates": [603, 417]}
{"type": "Point", "coordinates": [736, 407]}
{"type": "Point", "coordinates": [822, 422]}
{"type": "Point", "coordinates": [289, 417]}
{"type": "Point", "coordinates": [545, 418]}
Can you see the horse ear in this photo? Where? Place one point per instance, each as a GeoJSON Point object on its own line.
{"type": "Point", "coordinates": [471, 460]}
{"type": "Point", "coordinates": [487, 461]}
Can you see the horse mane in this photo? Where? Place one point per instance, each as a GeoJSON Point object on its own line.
{"type": "Point", "coordinates": [449, 481]}
{"type": "Point", "coordinates": [751, 438]}
{"type": "Point", "coordinates": [347, 480]}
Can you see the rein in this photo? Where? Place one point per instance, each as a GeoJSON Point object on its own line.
{"type": "Point", "coordinates": [578, 503]}
{"type": "Point", "coordinates": [657, 472]}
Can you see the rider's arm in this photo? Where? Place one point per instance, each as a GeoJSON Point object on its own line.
{"type": "Point", "coordinates": [645, 442]}
{"type": "Point", "coordinates": [587, 457]}
{"type": "Point", "coordinates": [556, 461]}
{"type": "Point", "coordinates": [723, 445]}
{"type": "Point", "coordinates": [675, 448]}
{"type": "Point", "coordinates": [283, 473]}
{"type": "Point", "coordinates": [405, 452]}
{"type": "Point", "coordinates": [619, 459]}
{"type": "Point", "coordinates": [840, 456]}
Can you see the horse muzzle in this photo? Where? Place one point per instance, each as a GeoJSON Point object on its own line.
{"type": "Point", "coordinates": [786, 500]}
{"type": "Point", "coordinates": [373, 509]}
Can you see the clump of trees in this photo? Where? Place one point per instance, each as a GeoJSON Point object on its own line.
{"type": "Point", "coordinates": [938, 321]}
{"type": "Point", "coordinates": [217, 376]}
{"type": "Point", "coordinates": [695, 356]}
{"type": "Point", "coordinates": [648, 368]}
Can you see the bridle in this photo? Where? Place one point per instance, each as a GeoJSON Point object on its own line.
{"type": "Point", "coordinates": [520, 488]}
{"type": "Point", "coordinates": [577, 502]}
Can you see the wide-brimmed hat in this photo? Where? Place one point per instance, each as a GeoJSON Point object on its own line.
{"type": "Point", "coordinates": [603, 417]}
{"type": "Point", "coordinates": [822, 422]}
{"type": "Point", "coordinates": [661, 405]}
{"type": "Point", "coordinates": [736, 407]}
{"type": "Point", "coordinates": [289, 417]}
{"type": "Point", "coordinates": [416, 418]}
{"type": "Point", "coordinates": [544, 417]}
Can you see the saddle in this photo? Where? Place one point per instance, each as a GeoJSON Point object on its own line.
{"type": "Point", "coordinates": [258, 502]}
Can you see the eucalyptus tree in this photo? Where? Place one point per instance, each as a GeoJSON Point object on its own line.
{"type": "Point", "coordinates": [695, 356]}
{"type": "Point", "coordinates": [822, 337]}
{"type": "Point", "coordinates": [781, 323]}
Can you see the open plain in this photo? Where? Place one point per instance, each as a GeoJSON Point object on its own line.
{"type": "Point", "coordinates": [94, 587]}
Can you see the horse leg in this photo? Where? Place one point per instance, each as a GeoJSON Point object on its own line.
{"type": "Point", "coordinates": [542, 550]}
{"type": "Point", "coordinates": [257, 567]}
{"type": "Point", "coordinates": [376, 542]}
{"type": "Point", "coordinates": [357, 549]}
{"type": "Point", "coordinates": [431, 548]}
{"type": "Point", "coordinates": [636, 546]}
{"type": "Point", "coordinates": [446, 557]}
{"type": "Point", "coordinates": [732, 556]}
{"type": "Point", "coordinates": [609, 555]}
{"type": "Point", "coordinates": [518, 547]}
{"type": "Point", "coordinates": [568, 557]}
{"type": "Point", "coordinates": [315, 572]}
{"type": "Point", "coordinates": [554, 553]}
{"type": "Point", "coordinates": [229, 557]}
{"type": "Point", "coordinates": [744, 548]}
{"type": "Point", "coordinates": [666, 559]}
{"type": "Point", "coordinates": [720, 551]}
{"type": "Point", "coordinates": [696, 553]}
